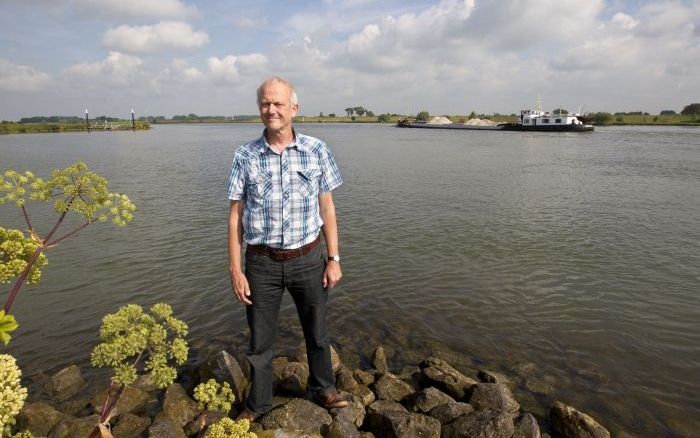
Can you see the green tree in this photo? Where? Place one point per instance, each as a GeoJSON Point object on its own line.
{"type": "Point", "coordinates": [384, 118]}
{"type": "Point", "coordinates": [667, 113]}
{"type": "Point", "coordinates": [331, 115]}
{"type": "Point", "coordinates": [560, 111]}
{"type": "Point", "coordinates": [360, 111]}
{"type": "Point", "coordinates": [350, 111]}
{"type": "Point", "coordinates": [370, 114]}
{"type": "Point", "coordinates": [423, 116]}
{"type": "Point", "coordinates": [691, 110]}
{"type": "Point", "coordinates": [601, 118]}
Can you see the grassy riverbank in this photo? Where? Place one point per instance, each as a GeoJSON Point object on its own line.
{"type": "Point", "coordinates": [29, 128]}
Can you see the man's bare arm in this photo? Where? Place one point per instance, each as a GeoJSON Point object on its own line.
{"type": "Point", "coordinates": [239, 283]}
{"type": "Point", "coordinates": [332, 274]}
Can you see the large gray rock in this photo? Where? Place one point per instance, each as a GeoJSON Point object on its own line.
{"type": "Point", "coordinates": [397, 424]}
{"type": "Point", "coordinates": [131, 426]}
{"type": "Point", "coordinates": [526, 427]}
{"type": "Point", "coordinates": [75, 427]}
{"type": "Point", "coordinates": [379, 361]}
{"type": "Point", "coordinates": [425, 400]}
{"type": "Point", "coordinates": [571, 423]}
{"type": "Point", "coordinates": [448, 412]}
{"type": "Point", "coordinates": [345, 381]}
{"type": "Point", "coordinates": [440, 374]}
{"type": "Point", "coordinates": [381, 406]}
{"type": "Point", "coordinates": [364, 394]}
{"type": "Point", "coordinates": [390, 387]}
{"type": "Point", "coordinates": [493, 396]}
{"type": "Point", "coordinates": [65, 383]}
{"type": "Point", "coordinates": [298, 414]}
{"type": "Point", "coordinates": [336, 363]}
{"type": "Point", "coordinates": [353, 413]}
{"type": "Point", "coordinates": [179, 406]}
{"type": "Point", "coordinates": [294, 378]}
{"type": "Point", "coordinates": [38, 418]}
{"type": "Point", "coordinates": [363, 377]}
{"type": "Point", "coordinates": [225, 368]}
{"type": "Point", "coordinates": [206, 417]}
{"type": "Point", "coordinates": [488, 423]}
{"type": "Point", "coordinates": [165, 427]}
{"type": "Point", "coordinates": [342, 429]}
{"type": "Point", "coordinates": [286, 433]}
{"type": "Point", "coordinates": [488, 376]}
{"type": "Point", "coordinates": [132, 399]}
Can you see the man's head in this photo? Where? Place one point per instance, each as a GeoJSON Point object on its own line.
{"type": "Point", "coordinates": [277, 102]}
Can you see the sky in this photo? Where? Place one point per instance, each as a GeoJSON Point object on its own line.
{"type": "Point", "coordinates": [167, 57]}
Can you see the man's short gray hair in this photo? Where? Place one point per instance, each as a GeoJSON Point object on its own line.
{"type": "Point", "coordinates": [276, 79]}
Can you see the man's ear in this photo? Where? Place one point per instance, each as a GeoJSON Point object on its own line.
{"type": "Point", "coordinates": [295, 110]}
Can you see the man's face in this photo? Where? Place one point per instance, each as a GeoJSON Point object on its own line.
{"type": "Point", "coordinates": [276, 110]}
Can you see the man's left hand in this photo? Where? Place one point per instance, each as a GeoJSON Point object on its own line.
{"type": "Point", "coordinates": [332, 274]}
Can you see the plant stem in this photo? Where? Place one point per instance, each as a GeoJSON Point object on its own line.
{"type": "Point", "coordinates": [22, 278]}
{"type": "Point", "coordinates": [55, 242]}
{"type": "Point", "coordinates": [26, 218]}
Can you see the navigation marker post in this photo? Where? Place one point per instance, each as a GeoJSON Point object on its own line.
{"type": "Point", "coordinates": [87, 121]}
{"type": "Point", "coordinates": [133, 122]}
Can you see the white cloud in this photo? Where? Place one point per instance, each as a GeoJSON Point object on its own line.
{"type": "Point", "coordinates": [173, 9]}
{"type": "Point", "coordinates": [624, 21]}
{"type": "Point", "coordinates": [117, 68]}
{"type": "Point", "coordinates": [151, 39]}
{"type": "Point", "coordinates": [21, 78]}
{"type": "Point", "coordinates": [229, 69]}
{"type": "Point", "coordinates": [250, 22]}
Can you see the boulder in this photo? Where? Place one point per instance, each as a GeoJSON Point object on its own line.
{"type": "Point", "coordinates": [440, 374]}
{"type": "Point", "coordinates": [336, 363]}
{"type": "Point", "coordinates": [278, 364]}
{"type": "Point", "coordinates": [165, 427]}
{"type": "Point", "coordinates": [343, 429]}
{"type": "Point", "coordinates": [132, 399]}
{"type": "Point", "coordinates": [131, 426]}
{"type": "Point", "coordinates": [381, 406]}
{"type": "Point", "coordinates": [38, 418]}
{"type": "Point", "coordinates": [489, 423]}
{"type": "Point", "coordinates": [411, 375]}
{"type": "Point", "coordinates": [353, 413]}
{"type": "Point", "coordinates": [487, 376]}
{"type": "Point", "coordinates": [364, 394]}
{"type": "Point", "coordinates": [65, 383]}
{"type": "Point", "coordinates": [571, 423]}
{"type": "Point", "coordinates": [76, 407]}
{"type": "Point", "coordinates": [298, 414]}
{"type": "Point", "coordinates": [75, 427]}
{"type": "Point", "coordinates": [493, 396]}
{"type": "Point", "coordinates": [225, 368]}
{"type": "Point", "coordinates": [526, 427]}
{"type": "Point", "coordinates": [379, 361]}
{"type": "Point", "coordinates": [448, 412]}
{"type": "Point", "coordinates": [390, 387]}
{"type": "Point", "coordinates": [366, 435]}
{"type": "Point", "coordinates": [427, 399]}
{"type": "Point", "coordinates": [286, 433]}
{"type": "Point", "coordinates": [194, 426]}
{"type": "Point", "coordinates": [363, 377]}
{"type": "Point", "coordinates": [397, 424]}
{"type": "Point", "coordinates": [345, 381]}
{"type": "Point", "coordinates": [294, 378]}
{"type": "Point", "coordinates": [178, 406]}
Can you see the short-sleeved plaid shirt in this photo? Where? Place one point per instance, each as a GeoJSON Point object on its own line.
{"type": "Point", "coordinates": [281, 190]}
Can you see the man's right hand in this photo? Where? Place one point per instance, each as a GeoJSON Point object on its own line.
{"type": "Point", "coordinates": [240, 287]}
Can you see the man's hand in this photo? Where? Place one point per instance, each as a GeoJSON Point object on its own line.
{"type": "Point", "coordinates": [240, 287]}
{"type": "Point", "coordinates": [332, 274]}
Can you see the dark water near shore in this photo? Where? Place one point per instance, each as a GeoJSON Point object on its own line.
{"type": "Point", "coordinates": [569, 262]}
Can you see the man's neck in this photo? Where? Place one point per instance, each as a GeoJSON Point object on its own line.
{"type": "Point", "coordinates": [278, 140]}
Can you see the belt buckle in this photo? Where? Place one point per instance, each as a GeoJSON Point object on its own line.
{"type": "Point", "coordinates": [277, 253]}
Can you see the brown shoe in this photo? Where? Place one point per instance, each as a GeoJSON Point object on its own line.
{"type": "Point", "coordinates": [247, 415]}
{"type": "Point", "coordinates": [331, 400]}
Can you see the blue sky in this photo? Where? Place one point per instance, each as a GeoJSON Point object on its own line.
{"type": "Point", "coordinates": [165, 57]}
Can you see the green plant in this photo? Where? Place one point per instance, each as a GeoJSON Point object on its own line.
{"type": "Point", "coordinates": [73, 190]}
{"type": "Point", "coordinates": [214, 397]}
{"type": "Point", "coordinates": [423, 116]}
{"type": "Point", "coordinates": [135, 342]}
{"type": "Point", "coordinates": [227, 428]}
{"type": "Point", "coordinates": [12, 394]}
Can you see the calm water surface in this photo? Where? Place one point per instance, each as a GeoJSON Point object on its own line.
{"type": "Point", "coordinates": [568, 261]}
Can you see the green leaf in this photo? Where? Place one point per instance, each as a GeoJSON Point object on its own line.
{"type": "Point", "coordinates": [8, 323]}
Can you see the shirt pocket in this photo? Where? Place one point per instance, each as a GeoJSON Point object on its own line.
{"type": "Point", "coordinates": [308, 181]}
{"type": "Point", "coordinates": [260, 184]}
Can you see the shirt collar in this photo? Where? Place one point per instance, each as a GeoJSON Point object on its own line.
{"type": "Point", "coordinates": [263, 146]}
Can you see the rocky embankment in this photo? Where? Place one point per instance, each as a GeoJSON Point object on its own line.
{"type": "Point", "coordinates": [431, 399]}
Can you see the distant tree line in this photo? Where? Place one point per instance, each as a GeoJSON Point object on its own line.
{"type": "Point", "coordinates": [359, 110]}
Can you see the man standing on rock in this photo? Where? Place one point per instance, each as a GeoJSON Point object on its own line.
{"type": "Point", "coordinates": [280, 191]}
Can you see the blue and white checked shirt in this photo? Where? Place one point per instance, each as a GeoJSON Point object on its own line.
{"type": "Point", "coordinates": [281, 190]}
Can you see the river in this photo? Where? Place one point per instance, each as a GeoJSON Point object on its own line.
{"type": "Point", "coordinates": [568, 262]}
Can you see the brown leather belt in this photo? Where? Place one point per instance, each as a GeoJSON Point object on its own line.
{"type": "Point", "coordinates": [284, 254]}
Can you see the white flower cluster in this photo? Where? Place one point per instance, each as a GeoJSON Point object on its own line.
{"type": "Point", "coordinates": [12, 395]}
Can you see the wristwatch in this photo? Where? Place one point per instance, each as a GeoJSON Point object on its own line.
{"type": "Point", "coordinates": [335, 258]}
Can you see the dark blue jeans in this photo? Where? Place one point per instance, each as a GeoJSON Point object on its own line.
{"type": "Point", "coordinates": [303, 278]}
